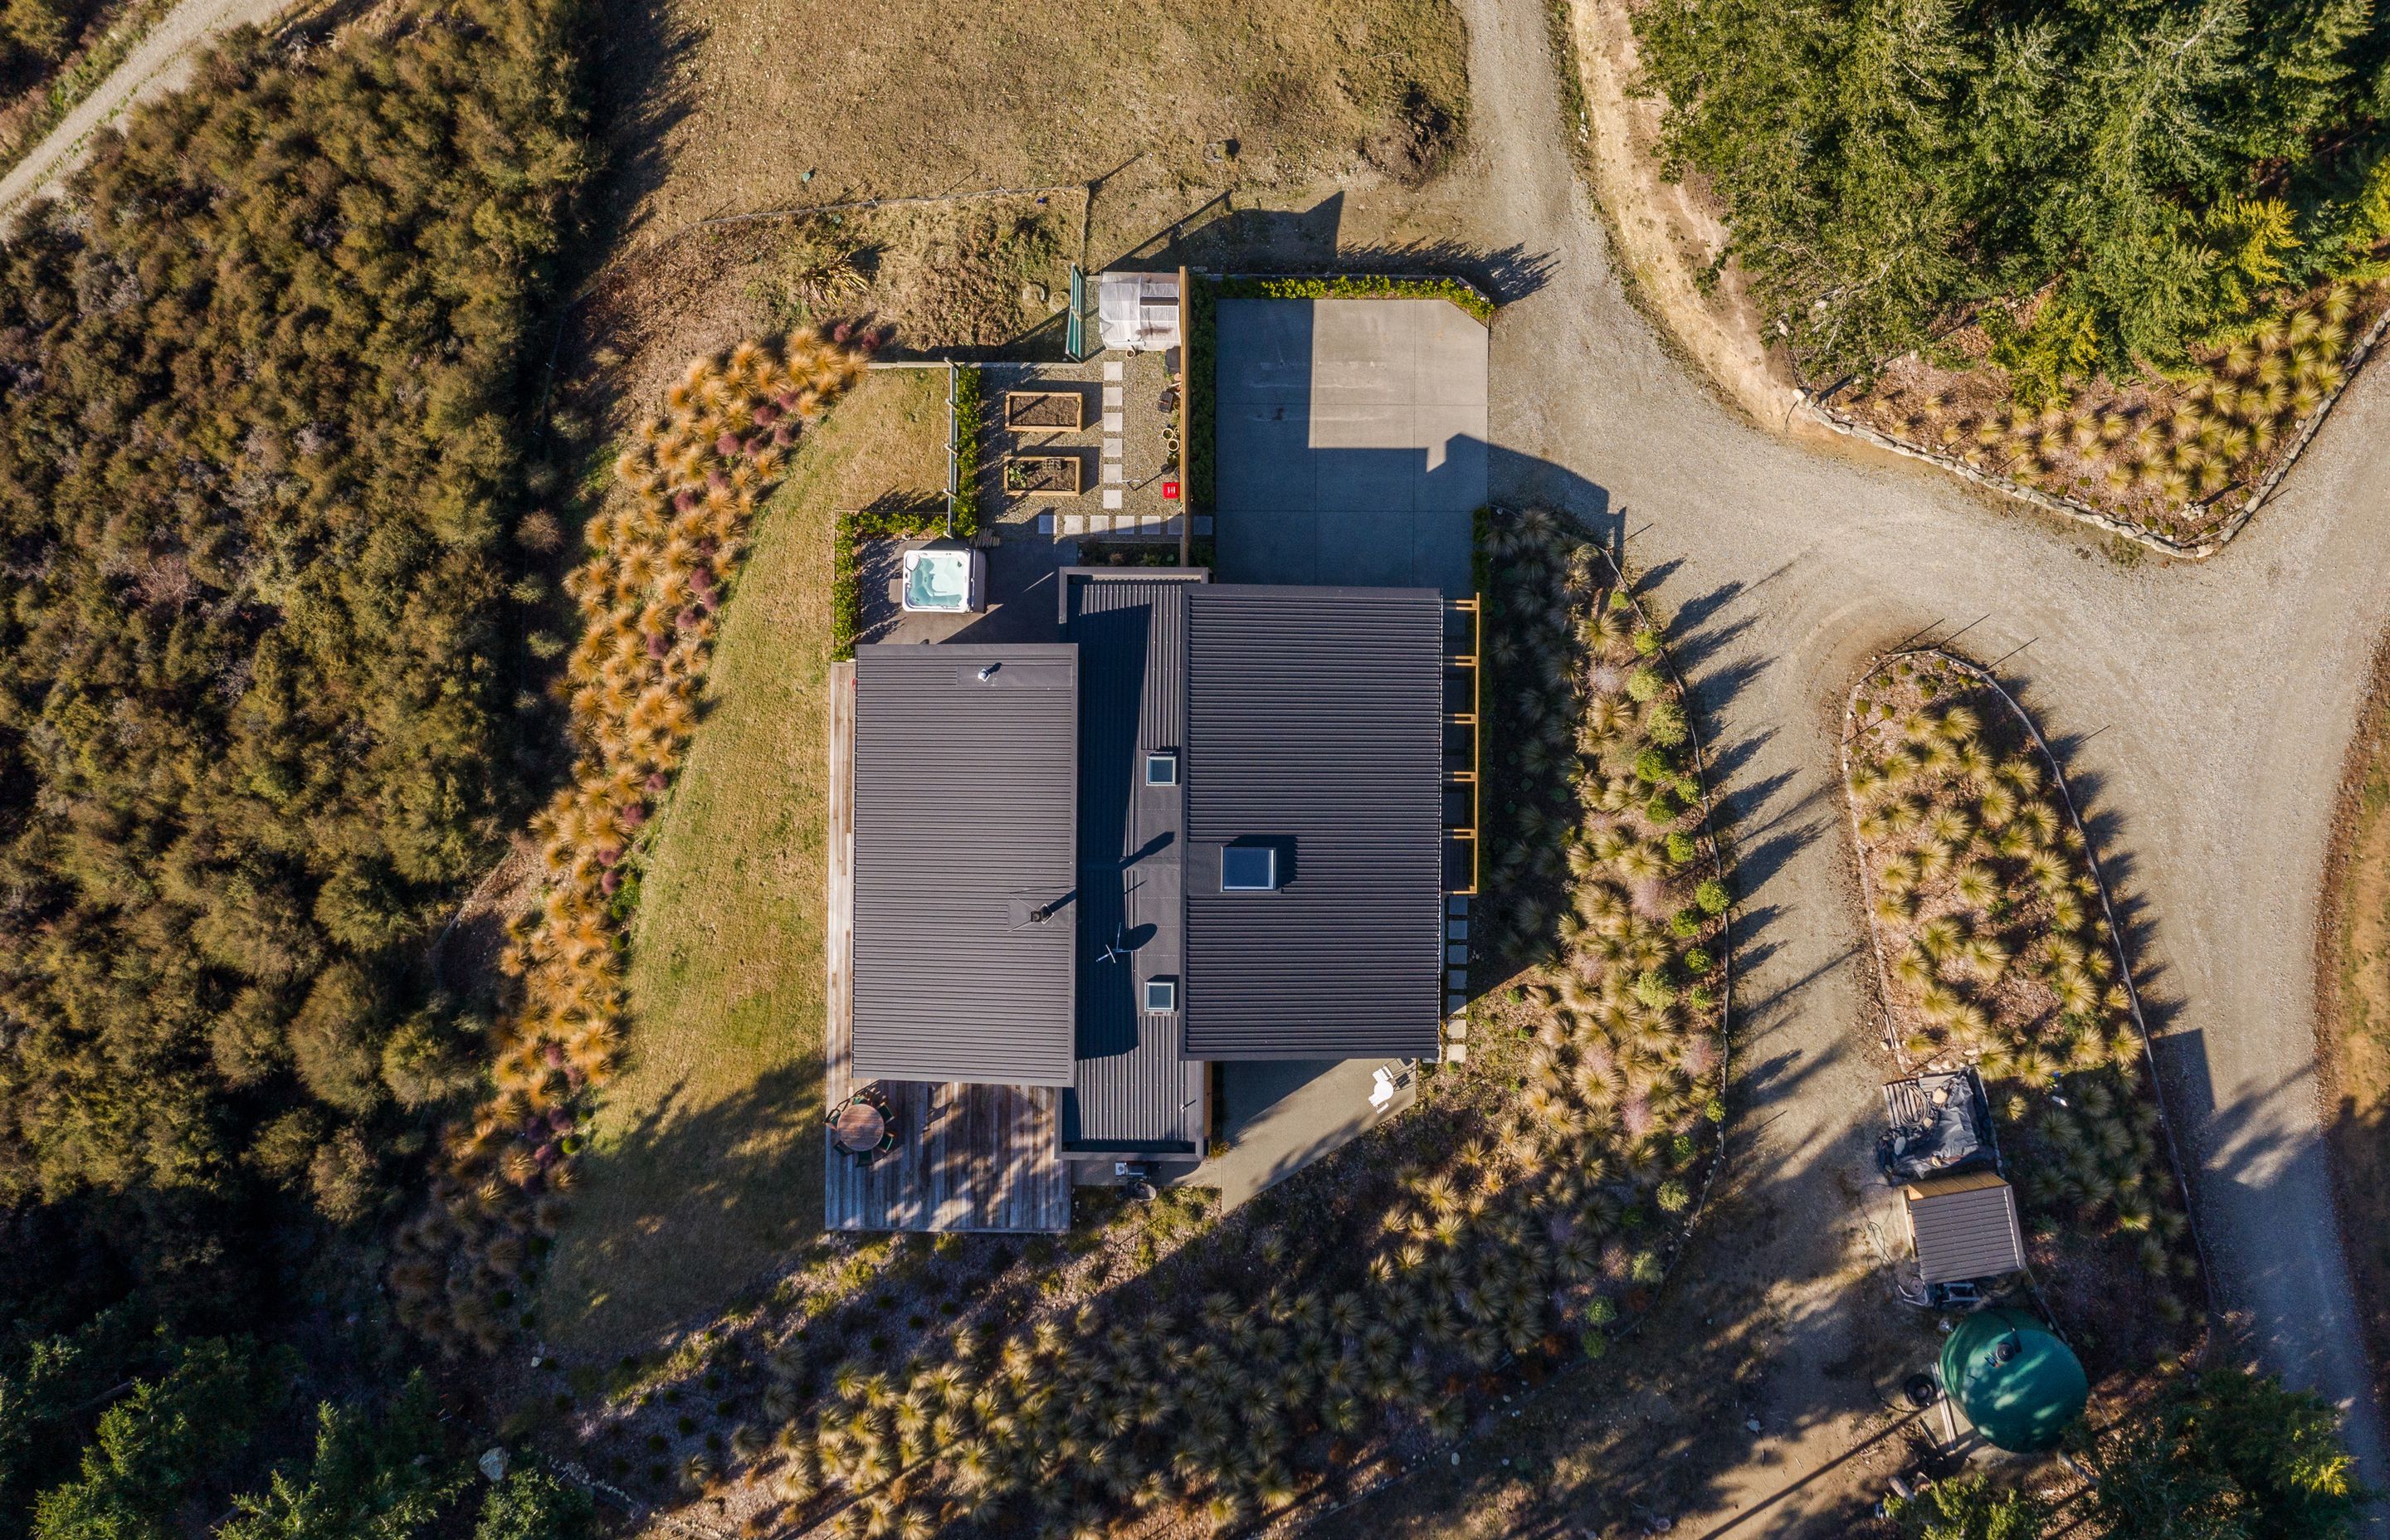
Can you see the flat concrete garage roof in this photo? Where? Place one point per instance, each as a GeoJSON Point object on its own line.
{"type": "Point", "coordinates": [1350, 441]}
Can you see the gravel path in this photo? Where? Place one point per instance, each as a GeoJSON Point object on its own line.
{"type": "Point", "coordinates": [161, 63]}
{"type": "Point", "coordinates": [2204, 711]}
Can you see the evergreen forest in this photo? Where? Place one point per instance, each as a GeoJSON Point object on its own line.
{"type": "Point", "coordinates": [268, 706]}
{"type": "Point", "coordinates": [2148, 177]}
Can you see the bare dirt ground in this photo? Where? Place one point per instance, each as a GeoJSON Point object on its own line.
{"type": "Point", "coordinates": [1665, 234]}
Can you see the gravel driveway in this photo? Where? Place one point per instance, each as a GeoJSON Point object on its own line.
{"type": "Point", "coordinates": [2204, 710]}
{"type": "Point", "coordinates": [162, 63]}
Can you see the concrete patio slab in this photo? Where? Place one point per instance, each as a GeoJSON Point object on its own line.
{"type": "Point", "coordinates": [1350, 441]}
{"type": "Point", "coordinates": [1278, 1116]}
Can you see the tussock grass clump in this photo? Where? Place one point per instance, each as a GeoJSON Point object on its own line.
{"type": "Point", "coordinates": [660, 565]}
{"type": "Point", "coordinates": [1511, 1220]}
{"type": "Point", "coordinates": [2177, 453]}
{"type": "Point", "coordinates": [2000, 954]}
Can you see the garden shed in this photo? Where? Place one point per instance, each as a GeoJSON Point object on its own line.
{"type": "Point", "coordinates": [1964, 1226]}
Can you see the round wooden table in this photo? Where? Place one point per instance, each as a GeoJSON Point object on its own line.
{"type": "Point", "coordinates": [859, 1127]}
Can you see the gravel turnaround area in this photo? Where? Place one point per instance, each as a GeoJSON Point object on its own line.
{"type": "Point", "coordinates": [2202, 711]}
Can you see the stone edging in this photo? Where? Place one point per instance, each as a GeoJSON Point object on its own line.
{"type": "Point", "coordinates": [1809, 405]}
{"type": "Point", "coordinates": [1982, 676]}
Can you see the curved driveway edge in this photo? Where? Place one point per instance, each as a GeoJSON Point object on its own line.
{"type": "Point", "coordinates": [2205, 711]}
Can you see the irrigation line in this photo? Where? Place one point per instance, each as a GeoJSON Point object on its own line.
{"type": "Point", "coordinates": [2107, 913]}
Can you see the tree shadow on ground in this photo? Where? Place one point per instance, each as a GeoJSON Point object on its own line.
{"type": "Point", "coordinates": [1220, 235]}
{"type": "Point", "coordinates": [674, 1191]}
{"type": "Point", "coordinates": [639, 96]}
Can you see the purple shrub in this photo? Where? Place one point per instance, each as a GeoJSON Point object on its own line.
{"type": "Point", "coordinates": [726, 445]}
{"type": "Point", "coordinates": [685, 502]}
{"type": "Point", "coordinates": [657, 647]}
{"type": "Point", "coordinates": [657, 781]}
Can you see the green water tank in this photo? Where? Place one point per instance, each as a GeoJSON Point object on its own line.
{"type": "Point", "coordinates": [2015, 1381]}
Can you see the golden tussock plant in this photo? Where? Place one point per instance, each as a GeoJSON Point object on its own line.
{"type": "Point", "coordinates": [654, 576]}
{"type": "Point", "coordinates": [1534, 1235]}
{"type": "Point", "coordinates": [2004, 958]}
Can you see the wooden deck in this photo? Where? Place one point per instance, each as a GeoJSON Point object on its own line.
{"type": "Point", "coordinates": [968, 1157]}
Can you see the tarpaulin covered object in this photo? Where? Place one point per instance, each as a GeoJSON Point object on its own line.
{"type": "Point", "coordinates": [1138, 310]}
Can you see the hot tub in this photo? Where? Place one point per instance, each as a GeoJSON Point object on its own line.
{"type": "Point", "coordinates": [946, 580]}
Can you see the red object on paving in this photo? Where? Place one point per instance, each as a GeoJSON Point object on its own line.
{"type": "Point", "coordinates": [1170, 491]}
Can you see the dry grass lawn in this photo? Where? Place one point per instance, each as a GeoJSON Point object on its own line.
{"type": "Point", "coordinates": [916, 97]}
{"type": "Point", "coordinates": [705, 1164]}
{"type": "Point", "coordinates": [726, 107]}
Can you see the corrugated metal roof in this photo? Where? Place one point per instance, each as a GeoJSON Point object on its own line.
{"type": "Point", "coordinates": [1315, 724]}
{"type": "Point", "coordinates": [1135, 1092]}
{"type": "Point", "coordinates": [966, 795]}
{"type": "Point", "coordinates": [1964, 1226]}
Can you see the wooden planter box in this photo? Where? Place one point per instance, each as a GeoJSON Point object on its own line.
{"type": "Point", "coordinates": [1049, 410]}
{"type": "Point", "coordinates": [1042, 475]}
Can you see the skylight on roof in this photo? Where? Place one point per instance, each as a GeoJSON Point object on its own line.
{"type": "Point", "coordinates": [1161, 996]}
{"type": "Point", "coordinates": [1248, 869]}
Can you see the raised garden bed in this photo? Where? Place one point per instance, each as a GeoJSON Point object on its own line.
{"type": "Point", "coordinates": [1042, 475]}
{"type": "Point", "coordinates": [1995, 948]}
{"type": "Point", "coordinates": [1057, 411]}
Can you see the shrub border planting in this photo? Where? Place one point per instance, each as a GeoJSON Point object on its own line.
{"type": "Point", "coordinates": [846, 565]}
{"type": "Point", "coordinates": [1356, 286]}
{"type": "Point", "coordinates": [1982, 677]}
{"type": "Point", "coordinates": [1721, 860]}
{"type": "Point", "coordinates": [965, 426]}
{"type": "Point", "coordinates": [1811, 404]}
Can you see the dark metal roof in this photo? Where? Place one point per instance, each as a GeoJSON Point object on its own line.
{"type": "Point", "coordinates": [1315, 722]}
{"type": "Point", "coordinates": [965, 796]}
{"type": "Point", "coordinates": [1965, 1227]}
{"type": "Point", "coordinates": [1135, 1092]}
